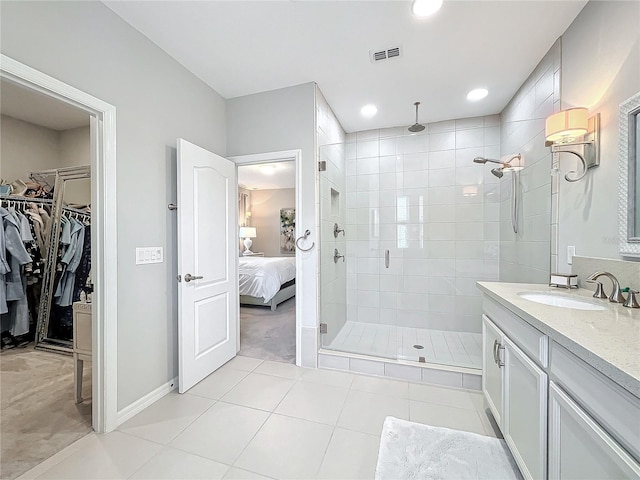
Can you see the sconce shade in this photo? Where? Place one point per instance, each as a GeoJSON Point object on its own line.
{"type": "Point", "coordinates": [567, 125]}
{"type": "Point", "coordinates": [247, 232]}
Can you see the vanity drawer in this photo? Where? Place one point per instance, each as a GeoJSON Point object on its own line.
{"type": "Point", "coordinates": [614, 408]}
{"type": "Point", "coordinates": [532, 341]}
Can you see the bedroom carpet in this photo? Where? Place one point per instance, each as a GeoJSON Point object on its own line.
{"type": "Point", "coordinates": [38, 414]}
{"type": "Point", "coordinates": [410, 450]}
{"type": "Point", "coordinates": [269, 335]}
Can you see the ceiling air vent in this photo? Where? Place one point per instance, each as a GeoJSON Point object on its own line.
{"type": "Point", "coordinates": [384, 54]}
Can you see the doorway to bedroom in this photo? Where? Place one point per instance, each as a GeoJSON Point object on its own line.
{"type": "Point", "coordinates": [267, 260]}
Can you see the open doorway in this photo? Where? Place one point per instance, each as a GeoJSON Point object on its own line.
{"type": "Point", "coordinates": [46, 309]}
{"type": "Point", "coordinates": [267, 264]}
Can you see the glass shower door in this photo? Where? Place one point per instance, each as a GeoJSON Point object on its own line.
{"type": "Point", "coordinates": [333, 287]}
{"type": "Point", "coordinates": [353, 313]}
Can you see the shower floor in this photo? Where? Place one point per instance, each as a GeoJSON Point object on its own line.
{"type": "Point", "coordinates": [460, 349]}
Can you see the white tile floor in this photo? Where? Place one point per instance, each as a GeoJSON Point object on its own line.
{"type": "Point", "coordinates": [255, 419]}
{"type": "Point", "coordinates": [461, 349]}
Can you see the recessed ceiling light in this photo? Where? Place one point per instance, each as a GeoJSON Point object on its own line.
{"type": "Point", "coordinates": [369, 110]}
{"type": "Point", "coordinates": [268, 169]}
{"type": "Point", "coordinates": [424, 8]}
{"type": "Point", "coordinates": [477, 94]}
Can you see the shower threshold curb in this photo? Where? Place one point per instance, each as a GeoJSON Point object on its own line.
{"type": "Point", "coordinates": [446, 375]}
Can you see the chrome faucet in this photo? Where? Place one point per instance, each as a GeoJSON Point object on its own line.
{"type": "Point", "coordinates": [337, 230]}
{"type": "Point", "coordinates": [616, 295]}
{"type": "Point", "coordinates": [337, 255]}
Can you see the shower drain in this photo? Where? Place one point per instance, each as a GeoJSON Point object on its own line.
{"type": "Point", "coordinates": [418, 347]}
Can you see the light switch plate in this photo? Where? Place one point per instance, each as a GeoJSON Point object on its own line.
{"type": "Point", "coordinates": [146, 255]}
{"type": "Point", "coordinates": [571, 251]}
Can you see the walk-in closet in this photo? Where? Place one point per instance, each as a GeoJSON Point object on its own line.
{"type": "Point", "coordinates": [45, 277]}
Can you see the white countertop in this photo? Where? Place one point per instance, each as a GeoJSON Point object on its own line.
{"type": "Point", "coordinates": [608, 340]}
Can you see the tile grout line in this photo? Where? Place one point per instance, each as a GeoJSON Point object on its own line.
{"type": "Point", "coordinates": [271, 413]}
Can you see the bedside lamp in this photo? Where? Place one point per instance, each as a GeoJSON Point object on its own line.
{"type": "Point", "coordinates": [247, 233]}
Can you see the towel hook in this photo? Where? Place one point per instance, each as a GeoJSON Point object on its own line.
{"type": "Point", "coordinates": [304, 237]}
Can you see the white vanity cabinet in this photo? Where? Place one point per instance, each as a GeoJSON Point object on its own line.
{"type": "Point", "coordinates": [516, 389]}
{"type": "Point", "coordinates": [560, 416]}
{"type": "Point", "coordinates": [525, 411]}
{"type": "Point", "coordinates": [579, 448]}
{"type": "Point", "coordinates": [492, 338]}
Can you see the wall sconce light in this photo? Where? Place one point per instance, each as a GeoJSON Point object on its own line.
{"type": "Point", "coordinates": [574, 127]}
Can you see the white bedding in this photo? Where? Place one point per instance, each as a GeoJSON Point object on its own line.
{"type": "Point", "coordinates": [263, 276]}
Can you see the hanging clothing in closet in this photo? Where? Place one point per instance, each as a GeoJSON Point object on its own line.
{"type": "Point", "coordinates": [14, 258]}
{"type": "Point", "coordinates": [25, 231]}
{"type": "Point", "coordinates": [72, 273]}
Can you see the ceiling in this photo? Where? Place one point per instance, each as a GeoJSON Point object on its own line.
{"type": "Point", "coordinates": [267, 176]}
{"type": "Point", "coordinates": [34, 107]}
{"type": "Point", "coordinates": [245, 47]}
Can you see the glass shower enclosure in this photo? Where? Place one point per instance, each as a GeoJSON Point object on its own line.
{"type": "Point", "coordinates": [408, 225]}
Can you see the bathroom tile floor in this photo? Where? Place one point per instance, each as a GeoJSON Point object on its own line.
{"type": "Point", "coordinates": [461, 349]}
{"type": "Point", "coordinates": [263, 419]}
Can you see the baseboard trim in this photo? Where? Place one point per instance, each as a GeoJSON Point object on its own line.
{"type": "Point", "coordinates": [150, 398]}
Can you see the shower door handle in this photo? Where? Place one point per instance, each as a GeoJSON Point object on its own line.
{"type": "Point", "coordinates": [386, 259]}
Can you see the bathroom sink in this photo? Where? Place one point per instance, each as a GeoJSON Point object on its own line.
{"type": "Point", "coordinates": [562, 301]}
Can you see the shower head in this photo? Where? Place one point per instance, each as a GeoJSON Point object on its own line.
{"type": "Point", "coordinates": [416, 127]}
{"type": "Point", "coordinates": [498, 172]}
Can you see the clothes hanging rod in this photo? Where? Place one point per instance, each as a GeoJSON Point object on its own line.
{"type": "Point", "coordinates": [46, 201]}
{"type": "Point", "coordinates": [17, 198]}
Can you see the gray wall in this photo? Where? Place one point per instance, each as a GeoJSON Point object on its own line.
{"type": "Point", "coordinates": [600, 70]}
{"type": "Point", "coordinates": [265, 216]}
{"type": "Point", "coordinates": [87, 46]}
{"type": "Point", "coordinates": [75, 149]}
{"type": "Point", "coordinates": [278, 120]}
{"type": "Point", "coordinates": [26, 147]}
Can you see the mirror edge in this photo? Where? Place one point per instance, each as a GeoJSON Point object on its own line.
{"type": "Point", "coordinates": [629, 245]}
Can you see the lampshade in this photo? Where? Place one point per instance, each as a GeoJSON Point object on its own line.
{"type": "Point", "coordinates": [567, 124]}
{"type": "Point", "coordinates": [247, 232]}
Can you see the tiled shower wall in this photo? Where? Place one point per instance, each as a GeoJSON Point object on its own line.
{"type": "Point", "coordinates": [332, 210]}
{"type": "Point", "coordinates": [421, 197]}
{"type": "Point", "coordinates": [526, 256]}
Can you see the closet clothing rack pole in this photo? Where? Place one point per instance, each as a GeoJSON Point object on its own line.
{"type": "Point", "coordinates": [45, 201]}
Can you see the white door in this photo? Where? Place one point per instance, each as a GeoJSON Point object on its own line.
{"type": "Point", "coordinates": [207, 256]}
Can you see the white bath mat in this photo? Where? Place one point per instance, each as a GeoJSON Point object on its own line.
{"type": "Point", "coordinates": [412, 451]}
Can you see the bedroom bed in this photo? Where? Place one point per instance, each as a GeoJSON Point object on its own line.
{"type": "Point", "coordinates": [266, 281]}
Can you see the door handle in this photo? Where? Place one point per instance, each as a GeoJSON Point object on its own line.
{"type": "Point", "coordinates": [188, 277]}
{"type": "Point", "coordinates": [386, 258]}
